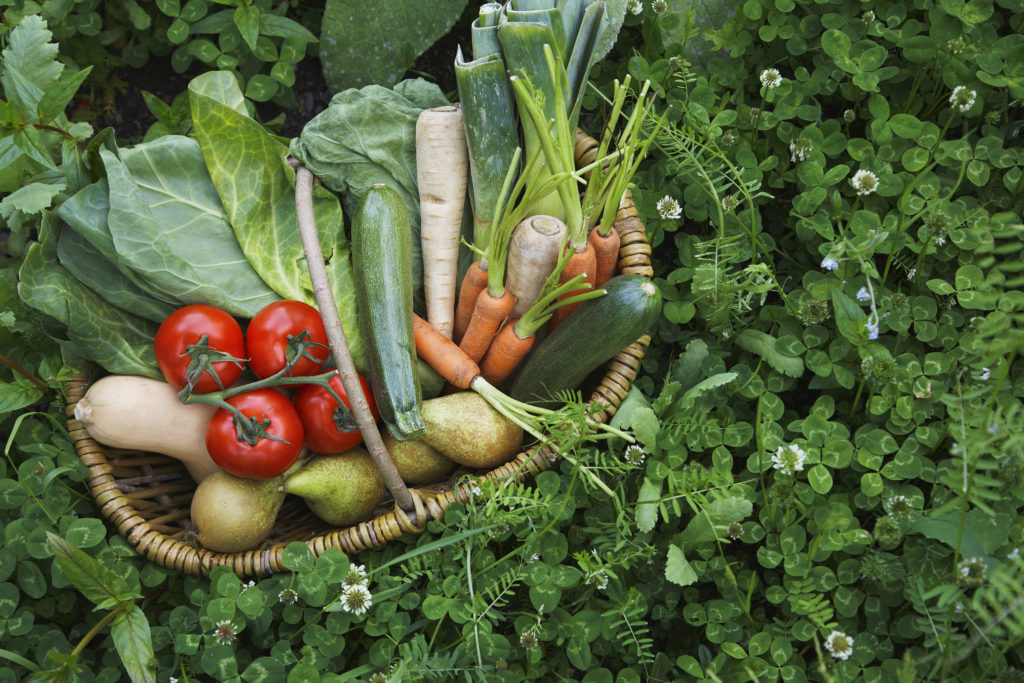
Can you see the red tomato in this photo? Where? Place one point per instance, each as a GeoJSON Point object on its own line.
{"type": "Point", "coordinates": [271, 337]}
{"type": "Point", "coordinates": [330, 427]}
{"type": "Point", "coordinates": [184, 328]}
{"type": "Point", "coordinates": [270, 454]}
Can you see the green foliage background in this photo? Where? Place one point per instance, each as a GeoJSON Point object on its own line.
{"type": "Point", "coordinates": [830, 410]}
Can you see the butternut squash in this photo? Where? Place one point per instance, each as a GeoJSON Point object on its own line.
{"type": "Point", "coordinates": [140, 413]}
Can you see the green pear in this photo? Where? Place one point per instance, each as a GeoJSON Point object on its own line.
{"type": "Point", "coordinates": [341, 489]}
{"type": "Point", "coordinates": [467, 429]}
{"type": "Point", "coordinates": [418, 462]}
{"type": "Point", "coordinates": [234, 514]}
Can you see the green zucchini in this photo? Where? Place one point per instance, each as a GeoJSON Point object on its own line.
{"type": "Point", "coordinates": [382, 274]}
{"type": "Point", "coordinates": [591, 335]}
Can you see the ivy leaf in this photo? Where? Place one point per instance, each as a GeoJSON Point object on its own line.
{"type": "Point", "coordinates": [100, 585]}
{"type": "Point", "coordinates": [364, 42]}
{"type": "Point", "coordinates": [678, 569]}
{"type": "Point", "coordinates": [133, 640]}
{"type": "Point", "coordinates": [764, 345]}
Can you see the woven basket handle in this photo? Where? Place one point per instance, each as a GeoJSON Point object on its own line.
{"type": "Point", "coordinates": [339, 345]}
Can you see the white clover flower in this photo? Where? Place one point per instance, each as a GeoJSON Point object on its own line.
{"type": "Point", "coordinates": [356, 576]}
{"type": "Point", "coordinates": [956, 45]}
{"type": "Point", "coordinates": [789, 459]}
{"type": "Point", "coordinates": [985, 373]}
{"type": "Point", "coordinates": [864, 182]}
{"type": "Point", "coordinates": [528, 639]}
{"type": "Point", "coordinates": [288, 596]}
{"type": "Point", "coordinates": [225, 632]}
{"type": "Point", "coordinates": [849, 116]}
{"type": "Point", "coordinates": [863, 294]}
{"type": "Point", "coordinates": [668, 208]}
{"type": "Point", "coordinates": [962, 98]}
{"type": "Point", "coordinates": [800, 149]}
{"type": "Point", "coordinates": [972, 570]}
{"type": "Point", "coordinates": [635, 7]}
{"type": "Point", "coordinates": [730, 203]}
{"type": "Point", "coordinates": [839, 645]}
{"type": "Point", "coordinates": [659, 6]}
{"type": "Point", "coordinates": [771, 78]}
{"type": "Point", "coordinates": [356, 599]}
{"type": "Point", "coordinates": [634, 455]}
{"type": "Point", "coordinates": [868, 17]}
{"type": "Point", "coordinates": [829, 263]}
{"type": "Point", "coordinates": [898, 506]}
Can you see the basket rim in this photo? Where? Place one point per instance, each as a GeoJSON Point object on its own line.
{"type": "Point", "coordinates": [120, 507]}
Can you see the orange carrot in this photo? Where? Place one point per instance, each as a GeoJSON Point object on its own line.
{"type": "Point", "coordinates": [581, 262]}
{"type": "Point", "coordinates": [473, 282]}
{"type": "Point", "coordinates": [507, 349]}
{"type": "Point", "coordinates": [441, 353]}
{"type": "Point", "coordinates": [606, 252]}
{"type": "Point", "coordinates": [488, 315]}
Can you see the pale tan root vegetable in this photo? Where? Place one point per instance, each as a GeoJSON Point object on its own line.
{"type": "Point", "coordinates": [140, 413]}
{"type": "Point", "coordinates": [532, 256]}
{"type": "Point", "coordinates": [441, 176]}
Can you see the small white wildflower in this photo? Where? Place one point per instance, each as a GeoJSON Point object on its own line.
{"type": "Point", "coordinates": [849, 116]}
{"type": "Point", "coordinates": [956, 45]}
{"type": "Point", "coordinates": [771, 78]}
{"type": "Point", "coordinates": [864, 182]}
{"type": "Point", "coordinates": [356, 599]}
{"type": "Point", "coordinates": [911, 273]}
{"type": "Point", "coordinates": [962, 98]}
{"type": "Point", "coordinates": [250, 584]}
{"type": "Point", "coordinates": [993, 429]}
{"type": "Point", "coordinates": [172, 679]}
{"type": "Point", "coordinates": [659, 6]}
{"type": "Point", "coordinates": [829, 263]}
{"type": "Point", "coordinates": [725, 334]}
{"type": "Point", "coordinates": [634, 454]}
{"type": "Point", "coordinates": [868, 17]}
{"type": "Point", "coordinates": [839, 645]}
{"type": "Point", "coordinates": [800, 149]}
{"type": "Point", "coordinates": [789, 459]}
{"type": "Point", "coordinates": [598, 579]}
{"type": "Point", "coordinates": [940, 241]}
{"type": "Point", "coordinates": [225, 632]}
{"type": "Point", "coordinates": [356, 576]}
{"type": "Point", "coordinates": [288, 596]}
{"type": "Point", "coordinates": [872, 327]}
{"type": "Point", "coordinates": [863, 294]}
{"type": "Point", "coordinates": [668, 208]}
{"type": "Point", "coordinates": [985, 373]}
{"type": "Point", "coordinates": [898, 506]}
{"type": "Point", "coordinates": [730, 203]}
{"type": "Point", "coordinates": [972, 570]}
{"type": "Point", "coordinates": [1014, 554]}
{"type": "Point", "coordinates": [635, 7]}
{"type": "Point", "coordinates": [534, 557]}
{"type": "Point", "coordinates": [528, 639]}
{"type": "Point", "coordinates": [475, 490]}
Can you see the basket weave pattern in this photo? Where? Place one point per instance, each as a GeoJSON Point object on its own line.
{"type": "Point", "coordinates": [147, 497]}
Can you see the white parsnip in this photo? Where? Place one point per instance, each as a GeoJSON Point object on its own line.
{"type": "Point", "coordinates": [532, 256]}
{"type": "Point", "coordinates": [441, 176]}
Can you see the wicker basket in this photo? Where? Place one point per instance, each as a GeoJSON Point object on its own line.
{"type": "Point", "coordinates": [148, 496]}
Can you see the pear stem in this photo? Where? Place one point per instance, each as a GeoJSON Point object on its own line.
{"type": "Point", "coordinates": [339, 345]}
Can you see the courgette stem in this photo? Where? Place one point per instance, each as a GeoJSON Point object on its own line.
{"type": "Point", "coordinates": [339, 345]}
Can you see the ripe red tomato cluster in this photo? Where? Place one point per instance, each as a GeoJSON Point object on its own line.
{"type": "Point", "coordinates": [197, 338]}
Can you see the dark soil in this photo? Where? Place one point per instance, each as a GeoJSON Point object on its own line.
{"type": "Point", "coordinates": [123, 107]}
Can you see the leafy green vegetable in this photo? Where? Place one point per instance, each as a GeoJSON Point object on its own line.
{"type": "Point", "coordinates": [257, 187]}
{"type": "Point", "coordinates": [366, 137]}
{"type": "Point", "coordinates": [94, 270]}
{"type": "Point", "coordinates": [169, 227]}
{"type": "Point", "coordinates": [397, 33]}
{"type": "Point", "coordinates": [119, 341]}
